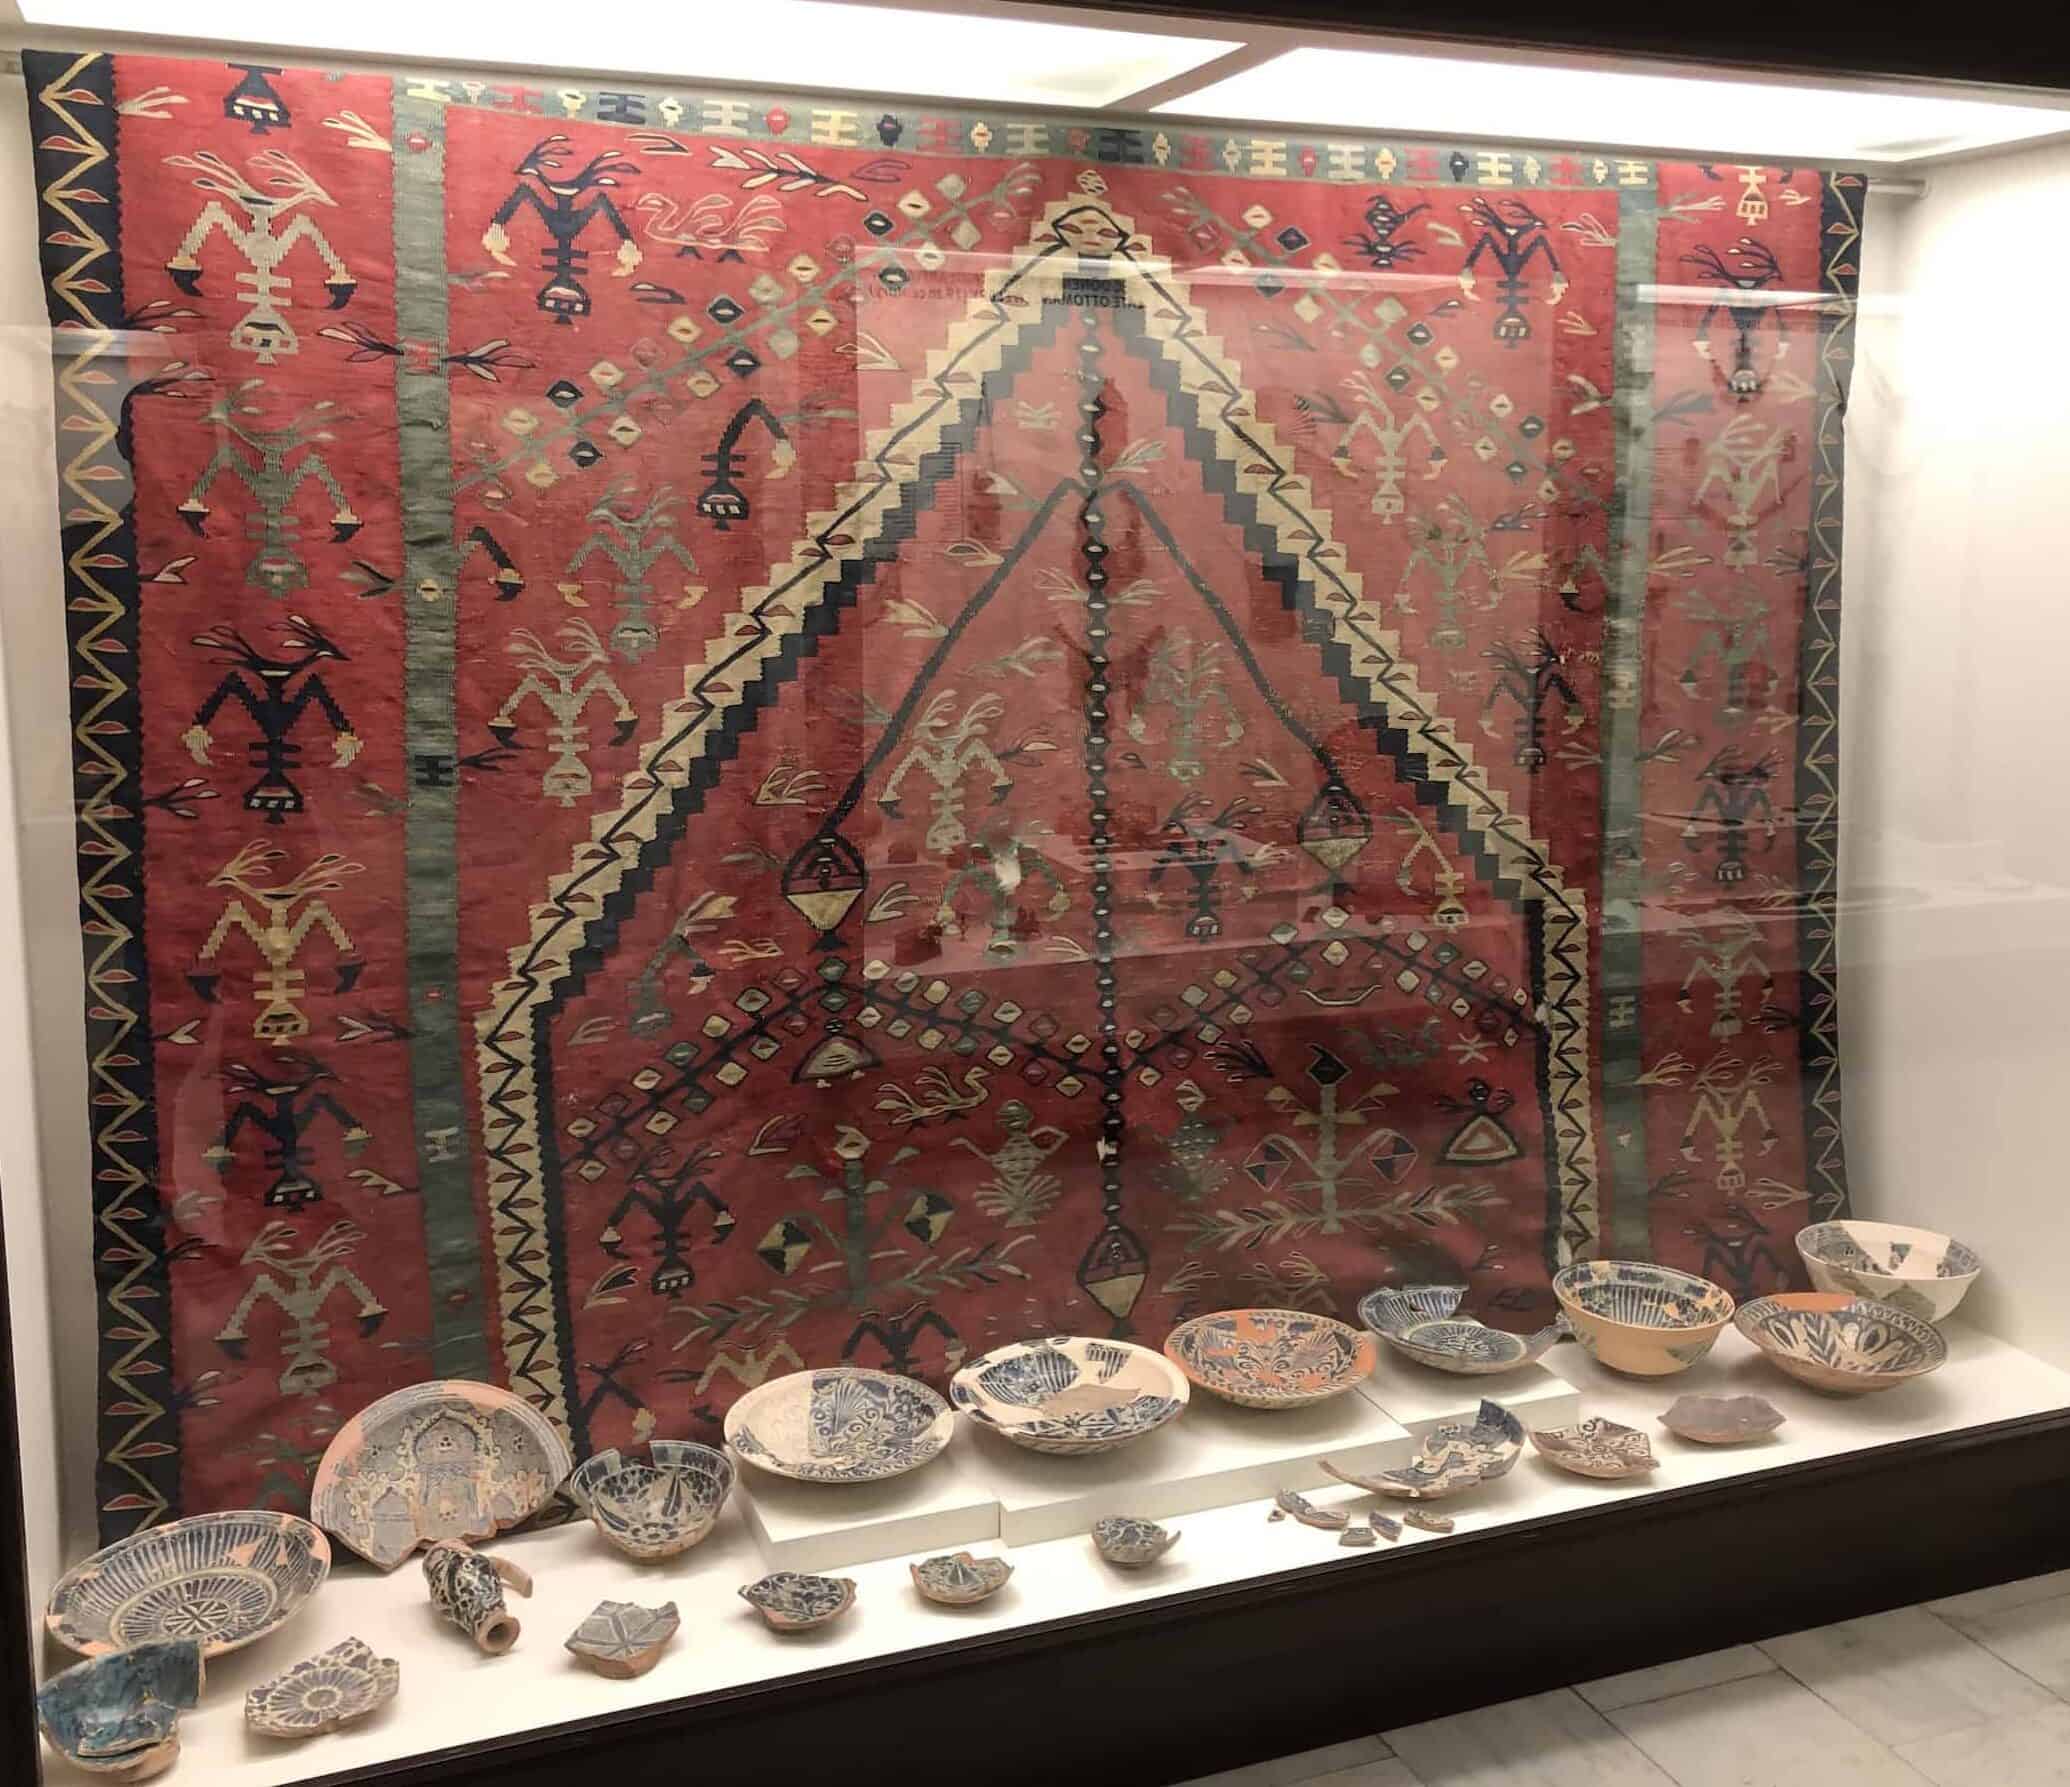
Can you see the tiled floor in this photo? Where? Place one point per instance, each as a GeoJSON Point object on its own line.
{"type": "Point", "coordinates": [1970, 1692]}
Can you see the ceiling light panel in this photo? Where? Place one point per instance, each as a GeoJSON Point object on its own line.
{"type": "Point", "coordinates": [1563, 102]}
{"type": "Point", "coordinates": [791, 43]}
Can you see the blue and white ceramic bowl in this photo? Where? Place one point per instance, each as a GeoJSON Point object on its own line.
{"type": "Point", "coordinates": [845, 1425]}
{"type": "Point", "coordinates": [1071, 1396]}
{"type": "Point", "coordinates": [1646, 1320]}
{"type": "Point", "coordinates": [1920, 1271]}
{"type": "Point", "coordinates": [1849, 1345]}
{"type": "Point", "coordinates": [1421, 1321]}
{"type": "Point", "coordinates": [119, 1714]}
{"type": "Point", "coordinates": [791, 1601]}
{"type": "Point", "coordinates": [654, 1500]}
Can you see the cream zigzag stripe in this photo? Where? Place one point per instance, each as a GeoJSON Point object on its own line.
{"type": "Point", "coordinates": [1072, 238]}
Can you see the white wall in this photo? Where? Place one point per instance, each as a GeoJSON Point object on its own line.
{"type": "Point", "coordinates": [1955, 730]}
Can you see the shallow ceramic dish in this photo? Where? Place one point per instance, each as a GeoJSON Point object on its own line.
{"type": "Point", "coordinates": [654, 1500]}
{"type": "Point", "coordinates": [621, 1640]}
{"type": "Point", "coordinates": [1421, 1322]}
{"type": "Point", "coordinates": [1071, 1396]}
{"type": "Point", "coordinates": [322, 1692]}
{"type": "Point", "coordinates": [1453, 1457]}
{"type": "Point", "coordinates": [449, 1459]}
{"type": "Point", "coordinates": [1920, 1271]}
{"type": "Point", "coordinates": [1642, 1319]}
{"type": "Point", "coordinates": [1721, 1420]}
{"type": "Point", "coordinates": [846, 1425]}
{"type": "Point", "coordinates": [1271, 1358]}
{"type": "Point", "coordinates": [219, 1579]}
{"type": "Point", "coordinates": [1596, 1448]}
{"type": "Point", "coordinates": [1129, 1542]}
{"type": "Point", "coordinates": [1846, 1344]}
{"type": "Point", "coordinates": [958, 1579]}
{"type": "Point", "coordinates": [793, 1602]}
{"type": "Point", "coordinates": [119, 1714]}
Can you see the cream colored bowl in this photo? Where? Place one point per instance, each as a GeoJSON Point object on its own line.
{"type": "Point", "coordinates": [1920, 1271]}
{"type": "Point", "coordinates": [1642, 1319]}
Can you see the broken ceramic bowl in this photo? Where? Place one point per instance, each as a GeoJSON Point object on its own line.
{"type": "Point", "coordinates": [621, 1640]}
{"type": "Point", "coordinates": [118, 1714]}
{"type": "Point", "coordinates": [220, 1579]}
{"type": "Point", "coordinates": [449, 1459]}
{"type": "Point", "coordinates": [843, 1425]}
{"type": "Point", "coordinates": [1271, 1358]}
{"type": "Point", "coordinates": [1848, 1345]}
{"type": "Point", "coordinates": [1596, 1448]}
{"type": "Point", "coordinates": [322, 1692]}
{"type": "Point", "coordinates": [1452, 1457]}
{"type": "Point", "coordinates": [1721, 1420]}
{"type": "Point", "coordinates": [1639, 1318]}
{"type": "Point", "coordinates": [1920, 1271]}
{"type": "Point", "coordinates": [1421, 1321]}
{"type": "Point", "coordinates": [791, 1601]}
{"type": "Point", "coordinates": [1071, 1396]}
{"type": "Point", "coordinates": [654, 1500]}
{"type": "Point", "coordinates": [957, 1579]}
{"type": "Point", "coordinates": [1130, 1542]}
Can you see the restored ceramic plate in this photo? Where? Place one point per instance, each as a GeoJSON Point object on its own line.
{"type": "Point", "coordinates": [845, 1425]}
{"type": "Point", "coordinates": [1640, 1318]}
{"type": "Point", "coordinates": [1071, 1396]}
{"type": "Point", "coordinates": [1920, 1271]}
{"type": "Point", "coordinates": [1271, 1358]}
{"type": "Point", "coordinates": [449, 1459]}
{"type": "Point", "coordinates": [1596, 1448]}
{"type": "Point", "coordinates": [654, 1500]}
{"type": "Point", "coordinates": [1832, 1341]}
{"type": "Point", "coordinates": [119, 1714]}
{"type": "Point", "coordinates": [219, 1579]}
{"type": "Point", "coordinates": [1453, 1457]}
{"type": "Point", "coordinates": [1421, 1321]}
{"type": "Point", "coordinates": [1721, 1420]}
{"type": "Point", "coordinates": [322, 1692]}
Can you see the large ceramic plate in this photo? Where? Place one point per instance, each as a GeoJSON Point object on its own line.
{"type": "Point", "coordinates": [219, 1579]}
{"type": "Point", "coordinates": [845, 1425]}
{"type": "Point", "coordinates": [1071, 1396]}
{"type": "Point", "coordinates": [450, 1459]}
{"type": "Point", "coordinates": [1421, 1321]}
{"type": "Point", "coordinates": [1271, 1358]}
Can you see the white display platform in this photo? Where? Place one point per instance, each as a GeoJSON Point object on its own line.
{"type": "Point", "coordinates": [1213, 1455]}
{"type": "Point", "coordinates": [943, 1506]}
{"type": "Point", "coordinates": [1419, 1398]}
{"type": "Point", "coordinates": [451, 1695]}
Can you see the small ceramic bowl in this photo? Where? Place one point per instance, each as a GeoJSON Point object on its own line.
{"type": "Point", "coordinates": [1721, 1420]}
{"type": "Point", "coordinates": [957, 1579]}
{"type": "Point", "coordinates": [1271, 1358]}
{"type": "Point", "coordinates": [1421, 1322]}
{"type": "Point", "coordinates": [793, 1602]}
{"type": "Point", "coordinates": [322, 1692]}
{"type": "Point", "coordinates": [1642, 1319]}
{"type": "Point", "coordinates": [1840, 1343]}
{"type": "Point", "coordinates": [119, 1714]}
{"type": "Point", "coordinates": [1920, 1271]}
{"type": "Point", "coordinates": [1071, 1396]}
{"type": "Point", "coordinates": [1129, 1542]}
{"type": "Point", "coordinates": [1596, 1448]}
{"type": "Point", "coordinates": [654, 1500]}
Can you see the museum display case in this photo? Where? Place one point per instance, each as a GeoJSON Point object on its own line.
{"type": "Point", "coordinates": [1000, 857]}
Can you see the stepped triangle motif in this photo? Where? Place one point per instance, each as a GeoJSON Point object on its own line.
{"type": "Point", "coordinates": [1089, 307]}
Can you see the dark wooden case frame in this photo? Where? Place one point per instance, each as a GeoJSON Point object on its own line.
{"type": "Point", "coordinates": [1236, 1674]}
